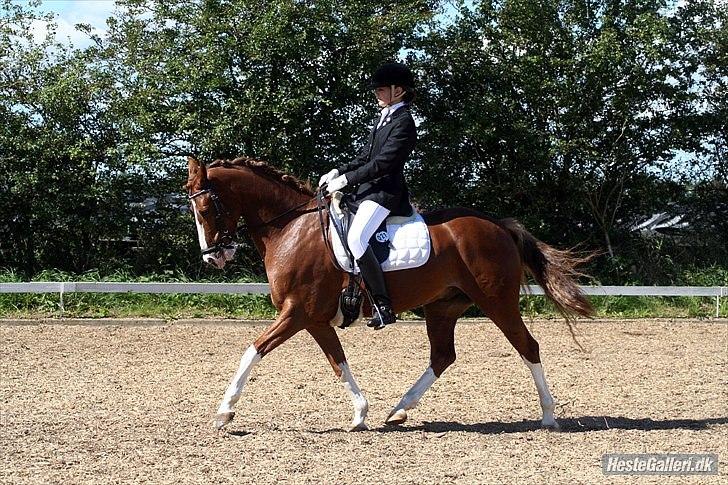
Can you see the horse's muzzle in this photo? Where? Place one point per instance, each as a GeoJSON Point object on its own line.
{"type": "Point", "coordinates": [220, 257]}
{"type": "Point", "coordinates": [214, 260]}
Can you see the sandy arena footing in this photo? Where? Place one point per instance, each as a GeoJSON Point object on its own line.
{"type": "Point", "coordinates": [114, 403]}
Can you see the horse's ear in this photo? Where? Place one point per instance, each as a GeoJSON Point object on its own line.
{"type": "Point", "coordinates": [196, 172]}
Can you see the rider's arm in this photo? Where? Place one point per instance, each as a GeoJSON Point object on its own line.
{"type": "Point", "coordinates": [399, 144]}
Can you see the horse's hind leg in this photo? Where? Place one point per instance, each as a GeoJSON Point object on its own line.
{"type": "Point", "coordinates": [441, 317]}
{"type": "Point", "coordinates": [329, 342]}
{"type": "Point", "coordinates": [506, 315]}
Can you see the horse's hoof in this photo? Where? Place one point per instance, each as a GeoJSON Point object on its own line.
{"type": "Point", "coordinates": [396, 417]}
{"type": "Point", "coordinates": [222, 419]}
{"type": "Point", "coordinates": [359, 427]}
{"type": "Point", "coordinates": [550, 425]}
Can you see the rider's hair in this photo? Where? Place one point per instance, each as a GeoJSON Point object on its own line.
{"type": "Point", "coordinates": [409, 95]}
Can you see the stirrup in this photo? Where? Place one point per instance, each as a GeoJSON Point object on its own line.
{"type": "Point", "coordinates": [382, 316]}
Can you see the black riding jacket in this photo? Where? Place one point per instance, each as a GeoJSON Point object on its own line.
{"type": "Point", "coordinates": [377, 172]}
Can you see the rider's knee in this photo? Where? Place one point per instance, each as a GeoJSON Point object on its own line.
{"type": "Point", "coordinates": [356, 245]}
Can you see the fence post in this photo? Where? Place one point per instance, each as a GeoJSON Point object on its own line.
{"type": "Point", "coordinates": [63, 289]}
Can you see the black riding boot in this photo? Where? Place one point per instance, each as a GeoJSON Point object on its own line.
{"type": "Point", "coordinates": [371, 271]}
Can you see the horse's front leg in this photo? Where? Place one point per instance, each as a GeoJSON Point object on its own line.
{"type": "Point", "coordinates": [285, 326]}
{"type": "Point", "coordinates": [329, 342]}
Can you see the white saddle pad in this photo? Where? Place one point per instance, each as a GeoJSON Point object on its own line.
{"type": "Point", "coordinates": [409, 241]}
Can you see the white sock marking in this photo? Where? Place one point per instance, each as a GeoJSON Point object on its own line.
{"type": "Point", "coordinates": [410, 400]}
{"type": "Point", "coordinates": [235, 389]}
{"type": "Point", "coordinates": [361, 406]}
{"type": "Point", "coordinates": [544, 395]}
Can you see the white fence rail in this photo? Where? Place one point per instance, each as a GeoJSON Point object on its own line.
{"type": "Point", "coordinates": [262, 288]}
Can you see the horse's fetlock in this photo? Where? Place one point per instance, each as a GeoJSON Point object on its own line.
{"type": "Point", "coordinates": [441, 362]}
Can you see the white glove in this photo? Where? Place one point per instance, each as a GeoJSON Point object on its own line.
{"type": "Point", "coordinates": [336, 184]}
{"type": "Point", "coordinates": [325, 178]}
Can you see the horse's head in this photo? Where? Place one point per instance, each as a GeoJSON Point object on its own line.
{"type": "Point", "coordinates": [215, 224]}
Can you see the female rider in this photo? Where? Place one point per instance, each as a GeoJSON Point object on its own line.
{"type": "Point", "coordinates": [376, 178]}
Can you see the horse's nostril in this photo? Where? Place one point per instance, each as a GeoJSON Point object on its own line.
{"type": "Point", "coordinates": [217, 261]}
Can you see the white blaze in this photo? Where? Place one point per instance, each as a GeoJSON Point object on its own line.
{"type": "Point", "coordinates": [200, 229]}
{"type": "Point", "coordinates": [218, 260]}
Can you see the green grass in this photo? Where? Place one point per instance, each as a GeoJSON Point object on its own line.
{"type": "Point", "coordinates": [100, 305]}
{"type": "Point", "coordinates": [636, 306]}
{"type": "Point", "coordinates": [174, 306]}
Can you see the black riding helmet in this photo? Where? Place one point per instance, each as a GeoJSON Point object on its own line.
{"type": "Point", "coordinates": [393, 74]}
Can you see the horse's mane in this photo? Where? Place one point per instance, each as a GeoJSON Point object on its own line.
{"type": "Point", "coordinates": [261, 166]}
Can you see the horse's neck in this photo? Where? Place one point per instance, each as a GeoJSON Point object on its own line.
{"type": "Point", "coordinates": [270, 200]}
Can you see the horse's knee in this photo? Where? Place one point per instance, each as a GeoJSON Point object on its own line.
{"type": "Point", "coordinates": [356, 245]}
{"type": "Point", "coordinates": [442, 361]}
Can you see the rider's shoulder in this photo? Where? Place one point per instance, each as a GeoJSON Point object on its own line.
{"type": "Point", "coordinates": [404, 115]}
{"type": "Point", "coordinates": [407, 119]}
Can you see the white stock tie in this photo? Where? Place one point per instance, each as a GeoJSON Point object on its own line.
{"type": "Point", "coordinates": [385, 113]}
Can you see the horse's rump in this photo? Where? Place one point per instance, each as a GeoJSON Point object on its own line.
{"type": "Point", "coordinates": [553, 269]}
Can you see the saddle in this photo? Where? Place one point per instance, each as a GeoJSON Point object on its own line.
{"type": "Point", "coordinates": [398, 243]}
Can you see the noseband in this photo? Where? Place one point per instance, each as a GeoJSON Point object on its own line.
{"type": "Point", "coordinates": [228, 240]}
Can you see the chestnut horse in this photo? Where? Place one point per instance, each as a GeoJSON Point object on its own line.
{"type": "Point", "coordinates": [474, 260]}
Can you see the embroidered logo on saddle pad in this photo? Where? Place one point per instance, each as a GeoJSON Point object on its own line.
{"type": "Point", "coordinates": [409, 243]}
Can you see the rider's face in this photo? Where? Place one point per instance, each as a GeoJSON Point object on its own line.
{"type": "Point", "coordinates": [386, 95]}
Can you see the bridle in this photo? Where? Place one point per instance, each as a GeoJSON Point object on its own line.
{"type": "Point", "coordinates": [228, 240]}
{"type": "Point", "coordinates": [225, 240]}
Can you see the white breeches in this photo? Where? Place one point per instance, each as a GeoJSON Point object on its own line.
{"type": "Point", "coordinates": [366, 220]}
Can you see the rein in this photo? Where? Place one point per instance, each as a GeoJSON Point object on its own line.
{"type": "Point", "coordinates": [351, 298]}
{"type": "Point", "coordinates": [292, 209]}
{"type": "Point", "coordinates": [322, 207]}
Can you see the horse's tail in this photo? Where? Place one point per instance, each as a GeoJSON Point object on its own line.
{"type": "Point", "coordinates": [553, 269]}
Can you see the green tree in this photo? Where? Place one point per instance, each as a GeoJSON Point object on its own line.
{"type": "Point", "coordinates": [567, 114]}
{"type": "Point", "coordinates": [99, 129]}
{"type": "Point", "coordinates": [284, 81]}
{"type": "Point", "coordinates": [281, 80]}
{"type": "Point", "coordinates": [562, 113]}
{"type": "Point", "coordinates": [60, 178]}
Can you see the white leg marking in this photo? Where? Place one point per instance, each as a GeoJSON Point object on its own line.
{"type": "Point", "coordinates": [410, 400]}
{"type": "Point", "coordinates": [361, 406]}
{"type": "Point", "coordinates": [250, 358]}
{"type": "Point", "coordinates": [544, 395]}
